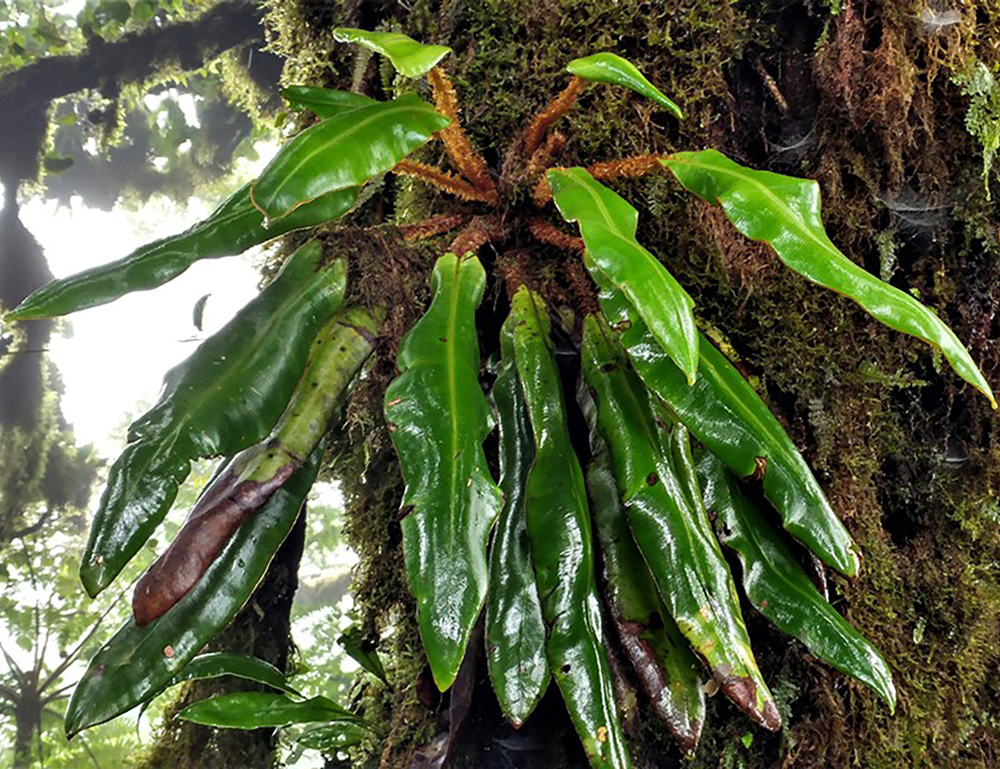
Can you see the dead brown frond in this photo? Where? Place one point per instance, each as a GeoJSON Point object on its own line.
{"type": "Point", "coordinates": [555, 110]}
{"type": "Point", "coordinates": [466, 160]}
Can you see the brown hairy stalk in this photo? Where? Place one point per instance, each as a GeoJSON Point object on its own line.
{"type": "Point", "coordinates": [542, 193]}
{"type": "Point", "coordinates": [542, 158]}
{"type": "Point", "coordinates": [635, 166]}
{"type": "Point", "coordinates": [555, 110]}
{"type": "Point", "coordinates": [468, 162]}
{"type": "Point", "coordinates": [512, 267]}
{"type": "Point", "coordinates": [547, 232]}
{"type": "Point", "coordinates": [444, 181]}
{"type": "Point", "coordinates": [580, 287]}
{"type": "Point", "coordinates": [428, 228]}
{"type": "Point", "coordinates": [478, 232]}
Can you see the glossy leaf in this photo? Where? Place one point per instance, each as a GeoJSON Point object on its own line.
{"type": "Point", "coordinates": [439, 419]}
{"type": "Point", "coordinates": [559, 532]}
{"type": "Point", "coordinates": [343, 151]}
{"type": "Point", "coordinates": [248, 482]}
{"type": "Point", "coordinates": [231, 229]}
{"type": "Point", "coordinates": [226, 396]}
{"type": "Point", "coordinates": [515, 630]}
{"type": "Point", "coordinates": [608, 224]}
{"type": "Point", "coordinates": [218, 664]}
{"type": "Point", "coordinates": [664, 664]}
{"type": "Point", "coordinates": [784, 212]}
{"type": "Point", "coordinates": [779, 587]}
{"type": "Point", "coordinates": [256, 710]}
{"type": "Point", "coordinates": [725, 413]}
{"type": "Point", "coordinates": [610, 68]}
{"type": "Point", "coordinates": [330, 738]}
{"type": "Point", "coordinates": [361, 651]}
{"type": "Point", "coordinates": [409, 57]}
{"type": "Point", "coordinates": [137, 663]}
{"type": "Point", "coordinates": [675, 539]}
{"type": "Point", "coordinates": [324, 102]}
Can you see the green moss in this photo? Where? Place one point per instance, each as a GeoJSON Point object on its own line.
{"type": "Point", "coordinates": [983, 117]}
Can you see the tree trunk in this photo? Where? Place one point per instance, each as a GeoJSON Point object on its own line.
{"type": "Point", "coordinates": [865, 101]}
{"type": "Point", "coordinates": [27, 724]}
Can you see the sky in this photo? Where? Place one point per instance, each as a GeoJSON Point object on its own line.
{"type": "Point", "coordinates": [112, 358]}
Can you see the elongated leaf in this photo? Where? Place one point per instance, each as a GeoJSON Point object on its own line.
{"type": "Point", "coordinates": [784, 212]}
{"type": "Point", "coordinates": [515, 630]}
{"type": "Point", "coordinates": [218, 664]}
{"type": "Point", "coordinates": [558, 524]}
{"type": "Point", "coordinates": [780, 589]}
{"type": "Point", "coordinates": [231, 229]}
{"type": "Point", "coordinates": [254, 710]}
{"type": "Point", "coordinates": [138, 662]}
{"type": "Point", "coordinates": [439, 418]}
{"type": "Point", "coordinates": [362, 652]}
{"type": "Point", "coordinates": [409, 57]}
{"type": "Point", "coordinates": [324, 102]}
{"type": "Point", "coordinates": [224, 397]}
{"type": "Point", "coordinates": [725, 413]}
{"type": "Point", "coordinates": [250, 479]}
{"type": "Point", "coordinates": [675, 539]}
{"type": "Point", "coordinates": [343, 151]}
{"type": "Point", "coordinates": [332, 737]}
{"type": "Point", "coordinates": [611, 68]}
{"type": "Point", "coordinates": [608, 224]}
{"type": "Point", "coordinates": [667, 669]}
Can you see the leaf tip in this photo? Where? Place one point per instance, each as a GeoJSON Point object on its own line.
{"type": "Point", "coordinates": [92, 578]}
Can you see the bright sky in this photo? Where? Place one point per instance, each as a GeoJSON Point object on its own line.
{"type": "Point", "coordinates": [112, 358]}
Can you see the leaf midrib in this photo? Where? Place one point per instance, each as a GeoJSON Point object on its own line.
{"type": "Point", "coordinates": [292, 173]}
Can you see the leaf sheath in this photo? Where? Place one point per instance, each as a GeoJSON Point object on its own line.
{"type": "Point", "coordinates": [253, 476]}
{"type": "Point", "coordinates": [138, 662]}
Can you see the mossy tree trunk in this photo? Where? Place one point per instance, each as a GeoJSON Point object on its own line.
{"type": "Point", "coordinates": [866, 101]}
